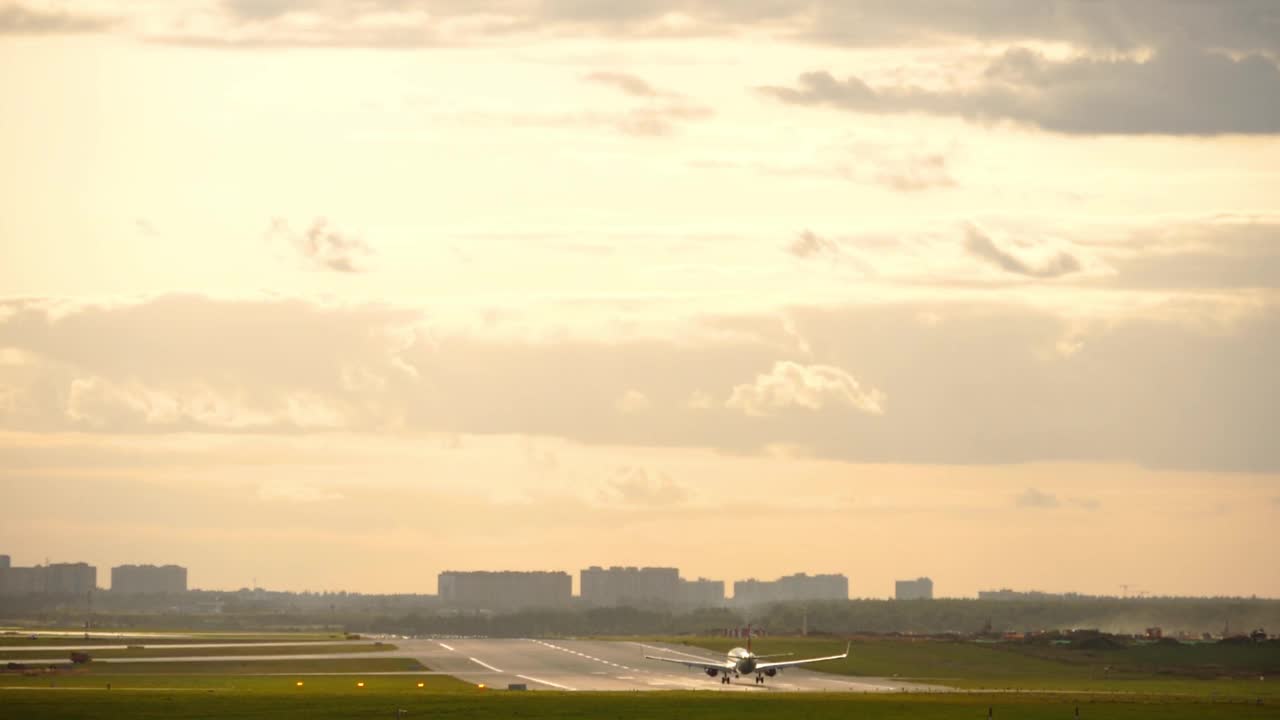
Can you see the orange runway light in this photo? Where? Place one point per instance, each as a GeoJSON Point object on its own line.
{"type": "Point", "coordinates": [359, 684]}
{"type": "Point", "coordinates": [299, 683]}
{"type": "Point", "coordinates": [422, 684]}
{"type": "Point", "coordinates": [481, 686]}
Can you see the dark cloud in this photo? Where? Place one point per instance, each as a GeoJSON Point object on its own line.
{"type": "Point", "coordinates": [809, 244]}
{"type": "Point", "coordinates": [17, 19]}
{"type": "Point", "coordinates": [324, 247]}
{"type": "Point", "coordinates": [258, 10]}
{"type": "Point", "coordinates": [982, 247]}
{"type": "Point", "coordinates": [1171, 387]}
{"type": "Point", "coordinates": [1177, 91]}
{"type": "Point", "coordinates": [1235, 25]}
{"type": "Point", "coordinates": [1036, 500]}
{"type": "Point", "coordinates": [1239, 25]}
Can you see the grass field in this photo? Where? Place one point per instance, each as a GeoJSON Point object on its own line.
{"type": "Point", "coordinates": [1200, 671]}
{"type": "Point", "coordinates": [1039, 683]}
{"type": "Point", "coordinates": [382, 697]}
{"type": "Point", "coordinates": [222, 667]}
{"type": "Point", "coordinates": [24, 639]}
{"type": "Point", "coordinates": [228, 650]}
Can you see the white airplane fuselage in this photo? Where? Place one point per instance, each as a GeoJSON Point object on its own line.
{"type": "Point", "coordinates": [744, 661]}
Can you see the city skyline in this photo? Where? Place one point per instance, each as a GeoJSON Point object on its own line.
{"type": "Point", "coordinates": [323, 292]}
{"type": "Point", "coordinates": [910, 588]}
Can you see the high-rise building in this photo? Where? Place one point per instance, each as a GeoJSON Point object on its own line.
{"type": "Point", "coordinates": [70, 578]}
{"type": "Point", "coordinates": [629, 586]}
{"type": "Point", "coordinates": [148, 579]}
{"type": "Point", "coordinates": [701, 593]}
{"type": "Point", "coordinates": [55, 579]}
{"type": "Point", "coordinates": [506, 590]}
{"type": "Point", "coordinates": [791, 588]}
{"type": "Point", "coordinates": [23, 580]}
{"type": "Point", "coordinates": [918, 589]}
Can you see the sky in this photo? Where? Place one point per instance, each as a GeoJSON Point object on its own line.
{"type": "Point", "coordinates": [338, 295]}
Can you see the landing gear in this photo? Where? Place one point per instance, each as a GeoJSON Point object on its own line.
{"type": "Point", "coordinates": [724, 679]}
{"type": "Point", "coordinates": [760, 678]}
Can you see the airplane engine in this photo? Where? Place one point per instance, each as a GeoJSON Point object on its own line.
{"type": "Point", "coordinates": [712, 672]}
{"type": "Point", "coordinates": [771, 671]}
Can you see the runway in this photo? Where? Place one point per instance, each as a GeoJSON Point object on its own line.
{"type": "Point", "coordinates": [564, 665]}
{"type": "Point", "coordinates": [600, 665]}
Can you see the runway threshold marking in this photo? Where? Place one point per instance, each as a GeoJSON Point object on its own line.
{"type": "Point", "coordinates": [484, 664]}
{"type": "Point", "coordinates": [545, 682]}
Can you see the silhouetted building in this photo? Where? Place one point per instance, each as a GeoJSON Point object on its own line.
{"type": "Point", "coordinates": [4, 562]}
{"type": "Point", "coordinates": [918, 589]}
{"type": "Point", "coordinates": [70, 578]}
{"type": "Point", "coordinates": [148, 579]}
{"type": "Point", "coordinates": [507, 590]}
{"type": "Point", "coordinates": [791, 588]}
{"type": "Point", "coordinates": [53, 579]}
{"type": "Point", "coordinates": [701, 593]}
{"type": "Point", "coordinates": [629, 586]}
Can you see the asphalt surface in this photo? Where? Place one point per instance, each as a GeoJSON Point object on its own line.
{"type": "Point", "coordinates": [567, 665]}
{"type": "Point", "coordinates": [599, 665]}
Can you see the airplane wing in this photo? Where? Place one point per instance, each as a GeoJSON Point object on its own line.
{"type": "Point", "coordinates": [793, 663]}
{"type": "Point", "coordinates": [693, 663]}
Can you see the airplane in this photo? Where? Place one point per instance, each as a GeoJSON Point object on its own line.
{"type": "Point", "coordinates": [741, 661]}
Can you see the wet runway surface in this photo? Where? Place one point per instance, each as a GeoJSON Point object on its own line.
{"type": "Point", "coordinates": [599, 665]}
{"type": "Point", "coordinates": [567, 665]}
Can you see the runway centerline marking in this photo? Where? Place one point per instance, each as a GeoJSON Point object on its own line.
{"type": "Point", "coordinates": [545, 682]}
{"type": "Point", "coordinates": [446, 647]}
{"type": "Point", "coordinates": [484, 664]}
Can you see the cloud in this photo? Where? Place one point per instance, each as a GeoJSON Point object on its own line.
{"type": "Point", "coordinates": [17, 19]}
{"type": "Point", "coordinates": [627, 83]}
{"type": "Point", "coordinates": [809, 244]}
{"type": "Point", "coordinates": [324, 247]}
{"type": "Point", "coordinates": [659, 113]}
{"type": "Point", "coordinates": [1178, 90]}
{"type": "Point", "coordinates": [916, 173]}
{"type": "Point", "coordinates": [987, 385]}
{"type": "Point", "coordinates": [1240, 25]}
{"type": "Point", "coordinates": [189, 363]}
{"type": "Point", "coordinates": [1237, 26]}
{"type": "Point", "coordinates": [632, 402]}
{"type": "Point", "coordinates": [1035, 499]}
{"type": "Point", "coordinates": [638, 487]}
{"type": "Point", "coordinates": [1222, 253]}
{"type": "Point", "coordinates": [811, 387]}
{"type": "Point", "coordinates": [980, 246]}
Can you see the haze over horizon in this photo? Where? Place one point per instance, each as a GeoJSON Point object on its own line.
{"type": "Point", "coordinates": [340, 295]}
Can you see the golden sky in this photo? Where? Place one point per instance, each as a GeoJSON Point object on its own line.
{"type": "Point", "coordinates": [338, 295]}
